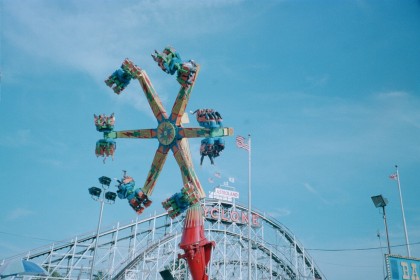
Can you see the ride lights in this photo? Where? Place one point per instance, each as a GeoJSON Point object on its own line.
{"type": "Point", "coordinates": [110, 197]}
{"type": "Point", "coordinates": [379, 201]}
{"type": "Point", "coordinates": [95, 192]}
{"type": "Point", "coordinates": [105, 180]}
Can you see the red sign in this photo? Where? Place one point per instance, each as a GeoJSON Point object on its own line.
{"type": "Point", "coordinates": [230, 215]}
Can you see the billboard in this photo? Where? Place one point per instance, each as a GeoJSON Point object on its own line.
{"type": "Point", "coordinates": [400, 268]}
{"type": "Point", "coordinates": [224, 194]}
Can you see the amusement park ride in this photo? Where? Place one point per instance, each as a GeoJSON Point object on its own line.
{"type": "Point", "coordinates": [173, 136]}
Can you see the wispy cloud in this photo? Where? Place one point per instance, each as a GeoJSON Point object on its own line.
{"type": "Point", "coordinates": [69, 35]}
{"type": "Point", "coordinates": [52, 162]}
{"type": "Point", "coordinates": [400, 107]}
{"type": "Point", "coordinates": [317, 81]}
{"type": "Point", "coordinates": [17, 138]}
{"type": "Point", "coordinates": [313, 191]}
{"type": "Point", "coordinates": [18, 213]}
{"type": "Point", "coordinates": [309, 188]}
{"type": "Point", "coordinates": [279, 212]}
{"type": "Point", "coordinates": [342, 126]}
{"type": "Point", "coordinates": [43, 32]}
{"type": "Point", "coordinates": [392, 95]}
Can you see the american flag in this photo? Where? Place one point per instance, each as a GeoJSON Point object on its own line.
{"type": "Point", "coordinates": [241, 143]}
{"type": "Point", "coordinates": [393, 176]}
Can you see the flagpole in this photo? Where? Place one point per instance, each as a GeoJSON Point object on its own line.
{"type": "Point", "coordinates": [249, 207]}
{"type": "Point", "coordinates": [246, 145]}
{"type": "Point", "coordinates": [403, 215]}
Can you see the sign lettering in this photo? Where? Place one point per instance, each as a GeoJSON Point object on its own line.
{"type": "Point", "coordinates": [231, 216]}
{"type": "Point", "coordinates": [402, 268]}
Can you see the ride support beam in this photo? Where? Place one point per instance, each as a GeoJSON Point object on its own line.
{"type": "Point", "coordinates": [183, 158]}
{"type": "Point", "coordinates": [182, 100]}
{"type": "Point", "coordinates": [154, 172]}
{"type": "Point", "coordinates": [148, 89]}
{"type": "Point", "coordinates": [136, 133]}
{"type": "Point", "coordinates": [193, 132]}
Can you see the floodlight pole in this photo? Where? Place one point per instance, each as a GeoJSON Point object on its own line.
{"type": "Point", "coordinates": [386, 229]}
{"type": "Point", "coordinates": [97, 236]}
{"type": "Point", "coordinates": [102, 198]}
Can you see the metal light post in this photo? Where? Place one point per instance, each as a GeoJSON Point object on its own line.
{"type": "Point", "coordinates": [100, 195]}
{"type": "Point", "coordinates": [380, 201]}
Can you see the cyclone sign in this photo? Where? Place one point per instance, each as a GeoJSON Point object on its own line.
{"type": "Point", "coordinates": [230, 215]}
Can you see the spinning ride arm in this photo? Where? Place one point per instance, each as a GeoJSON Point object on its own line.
{"type": "Point", "coordinates": [151, 95]}
{"type": "Point", "coordinates": [205, 132]}
{"type": "Point", "coordinates": [157, 165]}
{"type": "Point", "coordinates": [137, 133]}
{"type": "Point", "coordinates": [182, 155]}
{"type": "Point", "coordinates": [182, 100]}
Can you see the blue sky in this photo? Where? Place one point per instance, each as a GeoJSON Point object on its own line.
{"type": "Point", "coordinates": [329, 91]}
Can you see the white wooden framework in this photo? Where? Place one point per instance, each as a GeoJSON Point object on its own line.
{"type": "Point", "coordinates": [143, 248]}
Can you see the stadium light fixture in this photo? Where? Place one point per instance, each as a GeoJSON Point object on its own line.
{"type": "Point", "coordinates": [110, 197]}
{"type": "Point", "coordinates": [95, 192]}
{"type": "Point", "coordinates": [99, 194]}
{"type": "Point", "coordinates": [380, 202]}
{"type": "Point", "coordinates": [105, 181]}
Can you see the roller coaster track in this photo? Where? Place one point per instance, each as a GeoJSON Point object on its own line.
{"type": "Point", "coordinates": [143, 248]}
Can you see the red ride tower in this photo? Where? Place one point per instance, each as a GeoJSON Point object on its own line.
{"type": "Point", "coordinates": [197, 249]}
